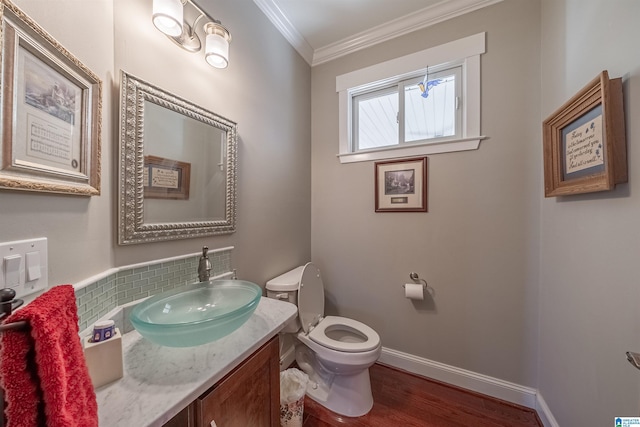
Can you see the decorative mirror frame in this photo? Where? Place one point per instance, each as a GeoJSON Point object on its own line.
{"type": "Point", "coordinates": [131, 226]}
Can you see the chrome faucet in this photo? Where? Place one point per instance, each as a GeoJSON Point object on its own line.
{"type": "Point", "coordinates": [204, 266]}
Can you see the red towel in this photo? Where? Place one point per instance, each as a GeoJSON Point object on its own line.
{"type": "Point", "coordinates": [43, 372]}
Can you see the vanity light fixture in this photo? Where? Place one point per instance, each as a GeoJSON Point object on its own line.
{"type": "Point", "coordinates": [168, 17]}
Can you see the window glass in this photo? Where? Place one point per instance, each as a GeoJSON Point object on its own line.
{"type": "Point", "coordinates": [430, 108]}
{"type": "Point", "coordinates": [377, 119]}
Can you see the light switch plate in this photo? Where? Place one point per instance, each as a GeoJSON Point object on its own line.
{"type": "Point", "coordinates": [37, 250]}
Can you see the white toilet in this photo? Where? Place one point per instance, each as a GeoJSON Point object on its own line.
{"type": "Point", "coordinates": [336, 352]}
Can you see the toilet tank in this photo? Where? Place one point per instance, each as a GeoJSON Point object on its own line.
{"type": "Point", "coordinates": [285, 288]}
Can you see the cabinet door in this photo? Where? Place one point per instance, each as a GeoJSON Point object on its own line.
{"type": "Point", "coordinates": [183, 419]}
{"type": "Point", "coordinates": [248, 396]}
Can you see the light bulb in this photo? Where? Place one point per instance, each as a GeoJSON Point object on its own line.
{"type": "Point", "coordinates": [168, 16]}
{"type": "Point", "coordinates": [216, 51]}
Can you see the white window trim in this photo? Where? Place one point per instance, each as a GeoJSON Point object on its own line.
{"type": "Point", "coordinates": [467, 49]}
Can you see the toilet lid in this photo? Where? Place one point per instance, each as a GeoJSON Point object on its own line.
{"type": "Point", "coordinates": [344, 334]}
{"type": "Point", "coordinates": [310, 297]}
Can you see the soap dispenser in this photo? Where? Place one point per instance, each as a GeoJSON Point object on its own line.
{"type": "Point", "coordinates": [204, 266]}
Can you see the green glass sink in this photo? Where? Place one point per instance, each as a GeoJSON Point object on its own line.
{"type": "Point", "coordinates": [198, 314]}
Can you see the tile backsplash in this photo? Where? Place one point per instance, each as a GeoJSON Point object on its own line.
{"type": "Point", "coordinates": [129, 284]}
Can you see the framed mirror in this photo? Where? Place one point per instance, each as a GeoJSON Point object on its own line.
{"type": "Point", "coordinates": [177, 167]}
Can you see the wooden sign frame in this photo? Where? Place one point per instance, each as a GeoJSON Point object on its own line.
{"type": "Point", "coordinates": [584, 141]}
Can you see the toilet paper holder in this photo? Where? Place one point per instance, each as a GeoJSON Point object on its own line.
{"type": "Point", "coordinates": [414, 276]}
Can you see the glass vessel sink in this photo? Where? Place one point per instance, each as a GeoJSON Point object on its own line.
{"type": "Point", "coordinates": [198, 314]}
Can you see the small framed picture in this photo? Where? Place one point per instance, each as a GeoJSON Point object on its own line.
{"type": "Point", "coordinates": [166, 179]}
{"type": "Point", "coordinates": [401, 185]}
{"type": "Point", "coordinates": [584, 141]}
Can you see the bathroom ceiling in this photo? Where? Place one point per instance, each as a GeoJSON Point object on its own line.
{"type": "Point", "coordinates": [322, 30]}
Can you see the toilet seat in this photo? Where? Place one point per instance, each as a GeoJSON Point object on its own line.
{"type": "Point", "coordinates": [310, 297]}
{"type": "Point", "coordinates": [355, 329]}
{"type": "Point", "coordinates": [349, 336]}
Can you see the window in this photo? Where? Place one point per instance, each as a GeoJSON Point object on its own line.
{"type": "Point", "coordinates": [421, 109]}
{"type": "Point", "coordinates": [397, 108]}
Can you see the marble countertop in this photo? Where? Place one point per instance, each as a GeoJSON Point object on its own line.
{"type": "Point", "coordinates": [159, 382]}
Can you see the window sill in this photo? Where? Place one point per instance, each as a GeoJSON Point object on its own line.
{"type": "Point", "coordinates": [450, 146]}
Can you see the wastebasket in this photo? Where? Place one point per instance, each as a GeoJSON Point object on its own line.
{"type": "Point", "coordinates": [293, 385]}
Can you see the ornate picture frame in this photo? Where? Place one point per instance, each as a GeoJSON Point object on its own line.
{"type": "Point", "coordinates": [584, 141]}
{"type": "Point", "coordinates": [401, 185]}
{"type": "Point", "coordinates": [51, 107]}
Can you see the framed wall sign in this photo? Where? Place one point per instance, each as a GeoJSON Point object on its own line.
{"type": "Point", "coordinates": [166, 179]}
{"type": "Point", "coordinates": [401, 185]}
{"type": "Point", "coordinates": [584, 141]}
{"type": "Point", "coordinates": [51, 112]}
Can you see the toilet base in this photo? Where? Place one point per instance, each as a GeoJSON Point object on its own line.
{"type": "Point", "coordinates": [342, 396]}
{"type": "Point", "coordinates": [287, 351]}
{"type": "Point", "coordinates": [348, 395]}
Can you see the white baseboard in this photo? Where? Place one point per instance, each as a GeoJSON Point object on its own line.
{"type": "Point", "coordinates": [545, 413]}
{"type": "Point", "coordinates": [494, 387]}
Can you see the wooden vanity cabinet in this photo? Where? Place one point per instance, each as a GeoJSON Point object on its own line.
{"type": "Point", "coordinates": [248, 396]}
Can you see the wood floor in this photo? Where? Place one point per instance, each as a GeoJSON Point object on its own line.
{"type": "Point", "coordinates": [402, 399]}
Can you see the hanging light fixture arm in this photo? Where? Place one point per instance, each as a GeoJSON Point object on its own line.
{"type": "Point", "coordinates": [195, 23]}
{"type": "Point", "coordinates": [202, 13]}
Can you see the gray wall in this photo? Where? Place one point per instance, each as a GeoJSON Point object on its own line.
{"type": "Point", "coordinates": [477, 245]}
{"type": "Point", "coordinates": [79, 229]}
{"type": "Point", "coordinates": [265, 90]}
{"type": "Point", "coordinates": [589, 268]}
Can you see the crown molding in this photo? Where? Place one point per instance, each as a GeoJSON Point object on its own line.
{"type": "Point", "coordinates": [423, 18]}
{"type": "Point", "coordinates": [282, 23]}
{"type": "Point", "coordinates": [439, 12]}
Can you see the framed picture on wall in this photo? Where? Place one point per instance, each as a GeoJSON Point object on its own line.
{"type": "Point", "coordinates": [166, 179]}
{"type": "Point", "coordinates": [401, 185]}
{"type": "Point", "coordinates": [51, 112]}
{"type": "Point", "coordinates": [584, 141]}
